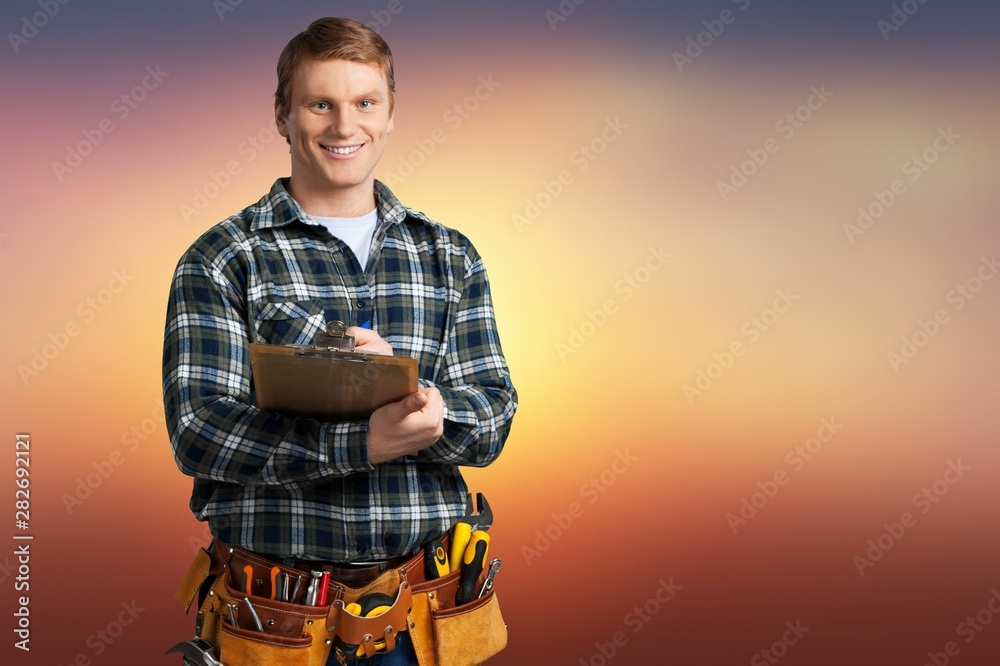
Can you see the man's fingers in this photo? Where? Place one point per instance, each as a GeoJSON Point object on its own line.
{"type": "Point", "coordinates": [361, 335]}
{"type": "Point", "coordinates": [406, 426]}
{"type": "Point", "coordinates": [418, 401]}
{"type": "Point", "coordinates": [410, 404]}
{"type": "Point", "coordinates": [369, 339]}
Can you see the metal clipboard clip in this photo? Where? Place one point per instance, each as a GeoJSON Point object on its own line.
{"type": "Point", "coordinates": [334, 342]}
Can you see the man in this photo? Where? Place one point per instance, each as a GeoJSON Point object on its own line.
{"type": "Point", "coordinates": [332, 243]}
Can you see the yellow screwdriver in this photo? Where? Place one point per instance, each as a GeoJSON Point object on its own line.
{"type": "Point", "coordinates": [473, 564]}
{"type": "Point", "coordinates": [460, 535]}
{"type": "Point", "coordinates": [435, 560]}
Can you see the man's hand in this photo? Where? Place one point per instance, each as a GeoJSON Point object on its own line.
{"type": "Point", "coordinates": [405, 427]}
{"type": "Point", "coordinates": [368, 340]}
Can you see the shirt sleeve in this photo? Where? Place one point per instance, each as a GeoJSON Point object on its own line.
{"type": "Point", "coordinates": [215, 429]}
{"type": "Point", "coordinates": [479, 398]}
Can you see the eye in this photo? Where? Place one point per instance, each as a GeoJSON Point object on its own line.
{"type": "Point", "coordinates": [366, 104]}
{"type": "Point", "coordinates": [321, 106]}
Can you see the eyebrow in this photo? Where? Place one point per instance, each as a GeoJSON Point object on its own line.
{"type": "Point", "coordinates": [373, 94]}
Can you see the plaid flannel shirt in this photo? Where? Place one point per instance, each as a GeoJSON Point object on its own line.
{"type": "Point", "coordinates": [304, 487]}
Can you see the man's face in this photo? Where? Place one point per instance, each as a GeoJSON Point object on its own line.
{"type": "Point", "coordinates": [337, 126]}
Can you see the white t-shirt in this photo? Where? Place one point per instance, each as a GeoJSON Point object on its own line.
{"type": "Point", "coordinates": [357, 232]}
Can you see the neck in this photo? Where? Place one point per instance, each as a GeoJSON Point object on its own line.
{"type": "Point", "coordinates": [334, 201]}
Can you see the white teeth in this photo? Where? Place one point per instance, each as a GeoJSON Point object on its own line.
{"type": "Point", "coordinates": [342, 151]}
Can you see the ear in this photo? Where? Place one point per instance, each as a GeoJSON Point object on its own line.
{"type": "Point", "coordinates": [392, 121]}
{"type": "Point", "coordinates": [280, 121]}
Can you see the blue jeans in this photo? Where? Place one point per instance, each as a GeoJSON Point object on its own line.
{"type": "Point", "coordinates": [403, 655]}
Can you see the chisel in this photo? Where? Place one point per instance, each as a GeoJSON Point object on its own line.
{"type": "Point", "coordinates": [313, 589]}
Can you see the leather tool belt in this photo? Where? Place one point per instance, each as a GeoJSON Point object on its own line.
{"type": "Point", "coordinates": [294, 634]}
{"type": "Point", "coordinates": [355, 575]}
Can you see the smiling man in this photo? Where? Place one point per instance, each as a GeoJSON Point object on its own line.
{"type": "Point", "coordinates": [355, 498]}
{"type": "Point", "coordinates": [337, 116]}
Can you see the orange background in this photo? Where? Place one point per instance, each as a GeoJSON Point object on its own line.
{"type": "Point", "coordinates": [600, 366]}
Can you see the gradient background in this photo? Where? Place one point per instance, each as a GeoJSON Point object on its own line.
{"type": "Point", "coordinates": [621, 392]}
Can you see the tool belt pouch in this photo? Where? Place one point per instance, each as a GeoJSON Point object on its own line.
{"type": "Point", "coordinates": [447, 635]}
{"type": "Point", "coordinates": [293, 634]}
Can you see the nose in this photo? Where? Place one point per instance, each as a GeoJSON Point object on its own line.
{"type": "Point", "coordinates": [342, 122]}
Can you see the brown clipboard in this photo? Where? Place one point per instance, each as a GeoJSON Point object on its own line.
{"type": "Point", "coordinates": [328, 383]}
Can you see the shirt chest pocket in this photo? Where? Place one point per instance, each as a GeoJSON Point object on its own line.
{"type": "Point", "coordinates": [289, 323]}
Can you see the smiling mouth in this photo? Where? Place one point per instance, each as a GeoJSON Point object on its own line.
{"type": "Point", "coordinates": [342, 150]}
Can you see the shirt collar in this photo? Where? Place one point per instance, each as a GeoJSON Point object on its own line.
{"type": "Point", "coordinates": [279, 209]}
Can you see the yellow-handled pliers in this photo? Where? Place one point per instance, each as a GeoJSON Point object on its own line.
{"type": "Point", "coordinates": [478, 517]}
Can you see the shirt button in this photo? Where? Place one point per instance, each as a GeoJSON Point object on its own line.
{"type": "Point", "coordinates": [361, 303]}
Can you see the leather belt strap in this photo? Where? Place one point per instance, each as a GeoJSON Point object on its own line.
{"type": "Point", "coordinates": [220, 553]}
{"type": "Point", "coordinates": [351, 575]}
{"type": "Point", "coordinates": [346, 574]}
